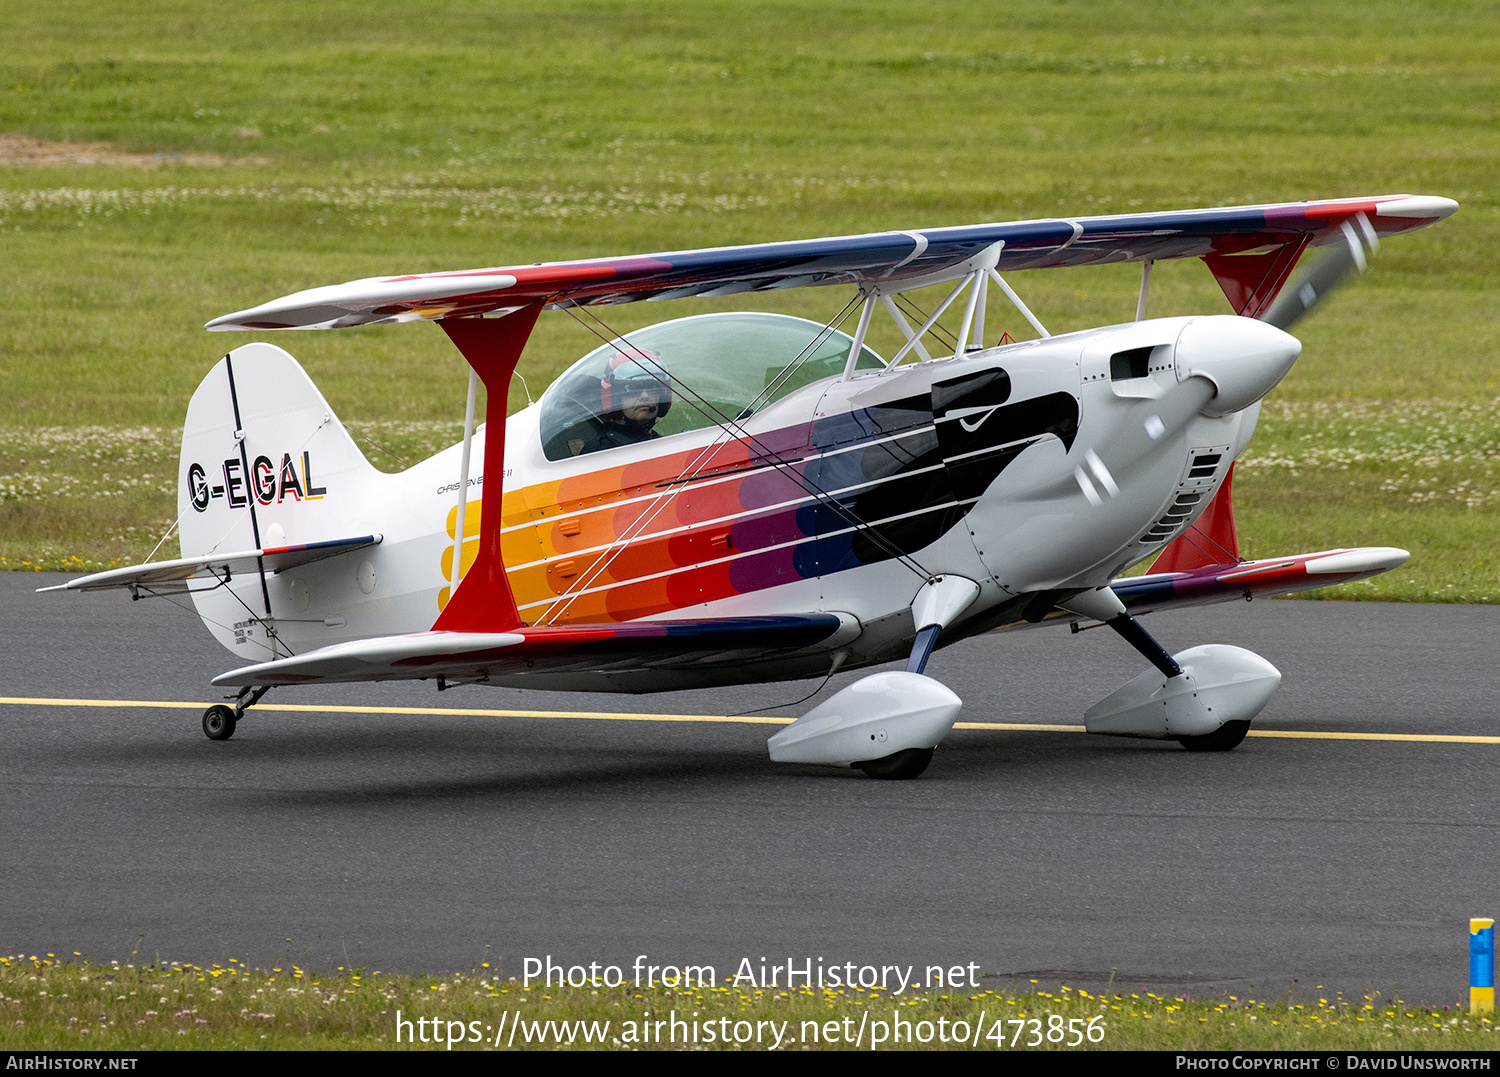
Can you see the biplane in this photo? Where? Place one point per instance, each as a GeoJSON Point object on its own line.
{"type": "Point", "coordinates": [743, 497]}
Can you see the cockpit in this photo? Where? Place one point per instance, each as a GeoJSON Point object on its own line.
{"type": "Point", "coordinates": [687, 374]}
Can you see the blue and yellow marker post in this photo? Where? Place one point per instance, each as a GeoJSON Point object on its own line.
{"type": "Point", "coordinates": [1481, 966]}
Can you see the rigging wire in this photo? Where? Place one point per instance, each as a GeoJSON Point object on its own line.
{"type": "Point", "coordinates": [639, 526]}
{"type": "Point", "coordinates": [1191, 537]}
{"type": "Point", "coordinates": [193, 609]}
{"type": "Point", "coordinates": [165, 535]}
{"type": "Point", "coordinates": [728, 427]}
{"type": "Point", "coordinates": [733, 428]}
{"type": "Point", "coordinates": [265, 622]}
{"type": "Point", "coordinates": [911, 308]}
{"type": "Point", "coordinates": [376, 445]}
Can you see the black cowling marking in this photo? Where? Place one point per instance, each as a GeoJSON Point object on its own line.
{"type": "Point", "coordinates": [980, 433]}
{"type": "Point", "coordinates": [929, 475]}
{"type": "Point", "coordinates": [988, 387]}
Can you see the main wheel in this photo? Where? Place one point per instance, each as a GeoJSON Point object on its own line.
{"type": "Point", "coordinates": [218, 722]}
{"type": "Point", "coordinates": [1224, 739]}
{"type": "Point", "coordinates": [899, 765]}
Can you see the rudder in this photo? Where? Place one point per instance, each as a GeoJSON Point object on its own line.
{"type": "Point", "coordinates": [264, 458]}
{"type": "Point", "coordinates": [266, 464]}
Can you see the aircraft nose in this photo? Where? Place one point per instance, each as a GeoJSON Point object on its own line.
{"type": "Point", "coordinates": [1242, 357]}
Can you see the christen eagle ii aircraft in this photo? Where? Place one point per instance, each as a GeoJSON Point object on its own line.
{"type": "Point", "coordinates": [742, 497]}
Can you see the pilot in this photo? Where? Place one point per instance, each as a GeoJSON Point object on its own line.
{"type": "Point", "coordinates": [633, 395]}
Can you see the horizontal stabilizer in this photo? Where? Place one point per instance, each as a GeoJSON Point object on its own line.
{"type": "Point", "coordinates": [173, 577]}
{"type": "Point", "coordinates": [477, 656]}
{"type": "Point", "coordinates": [1255, 579]}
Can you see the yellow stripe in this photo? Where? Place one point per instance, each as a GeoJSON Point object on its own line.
{"type": "Point", "coordinates": [1291, 734]}
{"type": "Point", "coordinates": [1436, 738]}
{"type": "Point", "coordinates": [473, 712]}
{"type": "Point", "coordinates": [477, 712]}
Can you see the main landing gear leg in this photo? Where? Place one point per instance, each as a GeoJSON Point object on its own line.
{"type": "Point", "coordinates": [937, 604]}
{"type": "Point", "coordinates": [1204, 698]}
{"type": "Point", "coordinates": [1224, 739]}
{"type": "Point", "coordinates": [1131, 631]}
{"type": "Point", "coordinates": [939, 601]}
{"type": "Point", "coordinates": [909, 762]}
{"type": "Point", "coordinates": [1104, 605]}
{"type": "Point", "coordinates": [219, 721]}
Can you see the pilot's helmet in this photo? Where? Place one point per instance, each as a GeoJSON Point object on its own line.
{"type": "Point", "coordinates": [631, 374]}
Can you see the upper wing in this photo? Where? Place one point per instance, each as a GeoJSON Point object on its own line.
{"type": "Point", "coordinates": [880, 257]}
{"type": "Point", "coordinates": [634, 645]}
{"type": "Point", "coordinates": [164, 577]}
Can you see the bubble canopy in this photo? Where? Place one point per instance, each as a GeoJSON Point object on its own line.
{"type": "Point", "coordinates": [695, 372]}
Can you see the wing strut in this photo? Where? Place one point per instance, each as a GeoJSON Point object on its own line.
{"type": "Point", "coordinates": [1140, 303]}
{"type": "Point", "coordinates": [1251, 281]}
{"type": "Point", "coordinates": [493, 347]}
{"type": "Point", "coordinates": [1010, 293]}
{"type": "Point", "coordinates": [462, 511]}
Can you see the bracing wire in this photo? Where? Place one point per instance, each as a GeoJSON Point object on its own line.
{"type": "Point", "coordinates": [729, 428]}
{"type": "Point", "coordinates": [736, 431]}
{"type": "Point", "coordinates": [912, 310]}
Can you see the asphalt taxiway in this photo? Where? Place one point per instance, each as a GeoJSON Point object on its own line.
{"type": "Point", "coordinates": [1347, 857]}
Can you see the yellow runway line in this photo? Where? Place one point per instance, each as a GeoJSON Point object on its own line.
{"type": "Point", "coordinates": [615, 716]}
{"type": "Point", "coordinates": [1436, 738]}
{"type": "Point", "coordinates": [472, 712]}
{"type": "Point", "coordinates": [1286, 734]}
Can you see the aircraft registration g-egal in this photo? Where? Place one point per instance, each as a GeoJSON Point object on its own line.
{"type": "Point", "coordinates": [745, 497]}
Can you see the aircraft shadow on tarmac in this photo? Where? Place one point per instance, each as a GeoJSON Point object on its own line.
{"type": "Point", "coordinates": [301, 765]}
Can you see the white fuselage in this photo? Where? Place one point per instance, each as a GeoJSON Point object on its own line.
{"type": "Point", "coordinates": [1100, 448]}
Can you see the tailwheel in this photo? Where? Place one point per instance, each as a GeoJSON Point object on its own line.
{"type": "Point", "coordinates": [898, 766]}
{"type": "Point", "coordinates": [1224, 739]}
{"type": "Point", "coordinates": [219, 722]}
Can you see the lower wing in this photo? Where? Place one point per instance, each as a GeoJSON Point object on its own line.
{"type": "Point", "coordinates": [476, 656]}
{"type": "Point", "coordinates": [1255, 579]}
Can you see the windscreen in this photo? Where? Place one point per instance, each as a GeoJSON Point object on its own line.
{"type": "Point", "coordinates": [687, 374]}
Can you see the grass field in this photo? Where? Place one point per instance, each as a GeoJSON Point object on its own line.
{"type": "Point", "coordinates": [256, 149]}
{"type": "Point", "coordinates": [260, 148]}
{"type": "Point", "coordinates": [64, 1004]}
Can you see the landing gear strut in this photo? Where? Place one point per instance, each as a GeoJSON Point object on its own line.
{"type": "Point", "coordinates": [1203, 698]}
{"type": "Point", "coordinates": [1132, 633]}
{"type": "Point", "coordinates": [219, 720]}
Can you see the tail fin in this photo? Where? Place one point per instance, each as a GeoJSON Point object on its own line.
{"type": "Point", "coordinates": [264, 459]}
{"type": "Point", "coordinates": [265, 464]}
